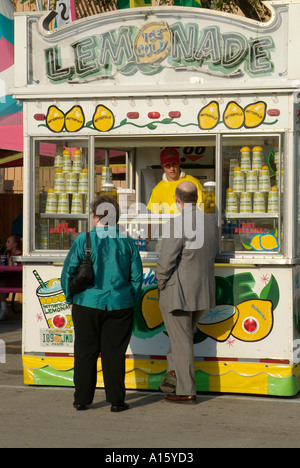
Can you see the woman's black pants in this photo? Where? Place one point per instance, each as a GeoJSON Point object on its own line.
{"type": "Point", "coordinates": [100, 332]}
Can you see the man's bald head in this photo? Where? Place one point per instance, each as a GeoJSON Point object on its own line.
{"type": "Point", "coordinates": [187, 192]}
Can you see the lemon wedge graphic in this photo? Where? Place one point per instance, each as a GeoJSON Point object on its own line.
{"type": "Point", "coordinates": [218, 323]}
{"type": "Point", "coordinates": [151, 310]}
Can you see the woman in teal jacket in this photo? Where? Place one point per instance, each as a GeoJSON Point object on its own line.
{"type": "Point", "coordinates": [103, 313]}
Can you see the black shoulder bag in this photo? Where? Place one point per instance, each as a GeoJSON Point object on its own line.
{"type": "Point", "coordinates": [85, 275]}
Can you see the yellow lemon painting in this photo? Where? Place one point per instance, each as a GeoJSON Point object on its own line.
{"type": "Point", "coordinates": [150, 309]}
{"type": "Point", "coordinates": [75, 119]}
{"type": "Point", "coordinates": [255, 320]}
{"type": "Point", "coordinates": [264, 242]}
{"type": "Point", "coordinates": [233, 116]}
{"type": "Point", "coordinates": [255, 114]}
{"type": "Point", "coordinates": [209, 116]}
{"type": "Point", "coordinates": [103, 119]}
{"type": "Point", "coordinates": [55, 119]}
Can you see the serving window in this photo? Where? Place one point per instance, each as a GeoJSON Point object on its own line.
{"type": "Point", "coordinates": [65, 175]}
{"type": "Point", "coordinates": [252, 194]}
{"type": "Point", "coordinates": [61, 202]}
{"type": "Point", "coordinates": [242, 177]}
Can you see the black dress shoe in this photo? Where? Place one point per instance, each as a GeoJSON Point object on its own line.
{"type": "Point", "coordinates": [80, 407]}
{"type": "Point", "coordinates": [119, 407]}
{"type": "Point", "coordinates": [181, 399]}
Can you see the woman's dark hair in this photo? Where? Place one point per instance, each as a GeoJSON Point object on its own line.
{"type": "Point", "coordinates": [17, 240]}
{"type": "Point", "coordinates": [106, 208]}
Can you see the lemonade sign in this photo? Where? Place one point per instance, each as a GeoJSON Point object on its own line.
{"type": "Point", "coordinates": [158, 45]}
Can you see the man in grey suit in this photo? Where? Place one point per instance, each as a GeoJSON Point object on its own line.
{"type": "Point", "coordinates": [186, 282]}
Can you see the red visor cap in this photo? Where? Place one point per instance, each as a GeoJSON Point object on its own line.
{"type": "Point", "coordinates": [169, 156]}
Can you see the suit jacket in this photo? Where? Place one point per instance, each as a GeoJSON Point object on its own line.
{"type": "Point", "coordinates": [185, 270]}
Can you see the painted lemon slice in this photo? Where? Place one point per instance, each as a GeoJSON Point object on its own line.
{"type": "Point", "coordinates": [218, 323]}
{"type": "Point", "coordinates": [54, 282]}
{"type": "Point", "coordinates": [150, 309]}
{"type": "Point", "coordinates": [255, 320]}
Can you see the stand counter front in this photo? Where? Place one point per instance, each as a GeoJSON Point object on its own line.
{"type": "Point", "coordinates": [247, 344]}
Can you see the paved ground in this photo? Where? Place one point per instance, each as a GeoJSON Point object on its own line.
{"type": "Point", "coordinates": [44, 417]}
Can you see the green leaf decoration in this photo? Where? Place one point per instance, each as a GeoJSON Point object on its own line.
{"type": "Point", "coordinates": [271, 292]}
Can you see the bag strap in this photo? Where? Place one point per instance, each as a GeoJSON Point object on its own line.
{"type": "Point", "coordinates": [88, 244]}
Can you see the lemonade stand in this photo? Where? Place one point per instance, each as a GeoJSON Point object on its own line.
{"type": "Point", "coordinates": [222, 89]}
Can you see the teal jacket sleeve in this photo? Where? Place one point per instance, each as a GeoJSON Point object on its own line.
{"type": "Point", "coordinates": [71, 265]}
{"type": "Point", "coordinates": [136, 273]}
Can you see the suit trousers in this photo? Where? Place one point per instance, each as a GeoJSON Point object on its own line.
{"type": "Point", "coordinates": [100, 332]}
{"type": "Point", "coordinates": [180, 327]}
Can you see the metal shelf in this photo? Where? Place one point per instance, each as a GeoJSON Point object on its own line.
{"type": "Point", "coordinates": [64, 216]}
{"type": "Point", "coordinates": [251, 215]}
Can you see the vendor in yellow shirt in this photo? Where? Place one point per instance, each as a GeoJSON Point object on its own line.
{"type": "Point", "coordinates": [162, 198]}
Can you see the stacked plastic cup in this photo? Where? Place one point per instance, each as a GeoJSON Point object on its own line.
{"type": "Point", "coordinates": [51, 205]}
{"type": "Point", "coordinates": [273, 200]}
{"type": "Point", "coordinates": [63, 204]}
{"type": "Point", "coordinates": [83, 185]}
{"type": "Point", "coordinates": [77, 206]}
{"type": "Point", "coordinates": [257, 156]}
{"type": "Point", "coordinates": [77, 162]}
{"type": "Point", "coordinates": [245, 159]}
{"type": "Point", "coordinates": [238, 180]}
{"type": "Point", "coordinates": [251, 181]}
{"type": "Point", "coordinates": [231, 201]}
{"type": "Point", "coordinates": [72, 182]}
{"type": "Point", "coordinates": [264, 180]}
{"type": "Point", "coordinates": [259, 202]}
{"type": "Point", "coordinates": [67, 163]}
{"type": "Point", "coordinates": [59, 181]}
{"type": "Point", "coordinates": [246, 202]}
